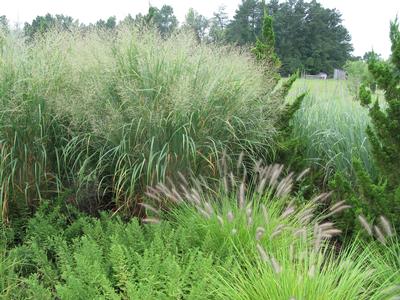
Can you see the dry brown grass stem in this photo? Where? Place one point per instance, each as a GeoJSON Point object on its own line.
{"type": "Point", "coordinates": [301, 233]}
{"type": "Point", "coordinates": [265, 213]}
{"type": "Point", "coordinates": [151, 220]}
{"type": "Point", "coordinates": [241, 196]}
{"type": "Point", "coordinates": [302, 174]}
{"type": "Point", "coordinates": [263, 254]}
{"type": "Point", "coordinates": [230, 216]}
{"type": "Point", "coordinates": [386, 226]}
{"type": "Point", "coordinates": [149, 207]}
{"type": "Point", "coordinates": [277, 231]}
{"type": "Point", "coordinates": [336, 205]}
{"type": "Point", "coordinates": [259, 233]}
{"type": "Point", "coordinates": [287, 212]}
{"type": "Point", "coordinates": [379, 235]}
{"type": "Point", "coordinates": [365, 224]}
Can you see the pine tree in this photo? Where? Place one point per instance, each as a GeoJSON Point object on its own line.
{"type": "Point", "coordinates": [164, 20]}
{"type": "Point", "coordinates": [246, 25]}
{"type": "Point", "coordinates": [264, 49]}
{"type": "Point", "coordinates": [196, 23]}
{"type": "Point", "coordinates": [265, 46]}
{"type": "Point", "coordinates": [4, 26]}
{"type": "Point", "coordinates": [218, 24]}
{"type": "Point", "coordinates": [384, 134]}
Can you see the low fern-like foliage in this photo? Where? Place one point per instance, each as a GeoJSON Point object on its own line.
{"type": "Point", "coordinates": [103, 259]}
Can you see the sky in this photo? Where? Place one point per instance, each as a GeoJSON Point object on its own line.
{"type": "Point", "coordinates": [367, 20]}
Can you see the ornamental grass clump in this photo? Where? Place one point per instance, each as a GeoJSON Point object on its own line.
{"type": "Point", "coordinates": [331, 129]}
{"type": "Point", "coordinates": [278, 247]}
{"type": "Point", "coordinates": [98, 115]}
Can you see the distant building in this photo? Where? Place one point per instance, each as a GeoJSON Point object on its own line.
{"type": "Point", "coordinates": [339, 74]}
{"type": "Point", "coordinates": [323, 76]}
{"type": "Point", "coordinates": [320, 75]}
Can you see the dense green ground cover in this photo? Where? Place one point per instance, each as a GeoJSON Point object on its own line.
{"type": "Point", "coordinates": [262, 247]}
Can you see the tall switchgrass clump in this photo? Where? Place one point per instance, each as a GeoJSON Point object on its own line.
{"type": "Point", "coordinates": [331, 128]}
{"type": "Point", "coordinates": [99, 115]}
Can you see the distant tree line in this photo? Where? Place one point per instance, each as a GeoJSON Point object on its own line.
{"type": "Point", "coordinates": [308, 36]}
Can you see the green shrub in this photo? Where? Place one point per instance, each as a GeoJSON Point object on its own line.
{"type": "Point", "coordinates": [357, 73]}
{"type": "Point", "coordinates": [384, 137]}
